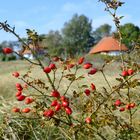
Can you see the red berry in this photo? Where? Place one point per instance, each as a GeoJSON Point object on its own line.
{"type": "Point", "coordinates": [55, 58]}
{"type": "Point", "coordinates": [68, 110]}
{"type": "Point", "coordinates": [87, 65]}
{"type": "Point", "coordinates": [18, 93]}
{"type": "Point", "coordinates": [7, 50]}
{"type": "Point", "coordinates": [54, 103]}
{"type": "Point", "coordinates": [132, 105]}
{"type": "Point", "coordinates": [52, 66]}
{"type": "Point", "coordinates": [81, 60]}
{"type": "Point", "coordinates": [117, 102]}
{"type": "Point", "coordinates": [65, 104]}
{"type": "Point", "coordinates": [21, 97]}
{"type": "Point", "coordinates": [26, 110]}
{"type": "Point", "coordinates": [19, 88]}
{"type": "Point", "coordinates": [48, 113]}
{"type": "Point", "coordinates": [16, 74]}
{"type": "Point", "coordinates": [124, 73]}
{"type": "Point", "coordinates": [29, 100]}
{"type": "Point", "coordinates": [47, 70]}
{"type": "Point", "coordinates": [93, 86]}
{"type": "Point", "coordinates": [128, 106]}
{"type": "Point", "coordinates": [87, 92]}
{"type": "Point", "coordinates": [122, 109]}
{"type": "Point", "coordinates": [88, 120]}
{"type": "Point", "coordinates": [55, 93]}
{"type": "Point", "coordinates": [130, 71]}
{"type": "Point", "coordinates": [70, 66]}
{"type": "Point", "coordinates": [63, 98]}
{"type": "Point", "coordinates": [15, 109]}
{"type": "Point", "coordinates": [18, 85]}
{"type": "Point", "coordinates": [57, 107]}
{"type": "Point", "coordinates": [92, 71]}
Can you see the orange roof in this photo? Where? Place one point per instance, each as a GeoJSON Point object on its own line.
{"type": "Point", "coordinates": [108, 44]}
{"type": "Point", "coordinates": [27, 51]}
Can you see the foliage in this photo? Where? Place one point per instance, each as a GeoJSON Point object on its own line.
{"type": "Point", "coordinates": [102, 31]}
{"type": "Point", "coordinates": [51, 108]}
{"type": "Point", "coordinates": [77, 35]}
{"type": "Point", "coordinates": [130, 34]}
{"type": "Point", "coordinates": [53, 43]}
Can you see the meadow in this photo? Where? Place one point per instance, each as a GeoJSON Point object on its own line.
{"type": "Point", "coordinates": [8, 90]}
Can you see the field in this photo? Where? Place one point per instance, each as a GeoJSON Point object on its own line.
{"type": "Point", "coordinates": [7, 82]}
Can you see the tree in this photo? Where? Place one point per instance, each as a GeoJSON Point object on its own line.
{"type": "Point", "coordinates": [77, 35]}
{"type": "Point", "coordinates": [52, 42]}
{"type": "Point", "coordinates": [130, 34]}
{"type": "Point", "coordinates": [102, 31]}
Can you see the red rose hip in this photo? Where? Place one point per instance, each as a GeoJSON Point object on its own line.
{"type": "Point", "coordinates": [7, 50]}
{"type": "Point", "coordinates": [118, 102]}
{"type": "Point", "coordinates": [88, 120]}
{"type": "Point", "coordinates": [47, 70]}
{"type": "Point", "coordinates": [55, 93]}
{"type": "Point", "coordinates": [26, 110]}
{"type": "Point", "coordinates": [21, 97]}
{"type": "Point", "coordinates": [48, 113]}
{"type": "Point", "coordinates": [15, 109]}
{"type": "Point", "coordinates": [15, 74]}
{"type": "Point", "coordinates": [87, 65]}
{"type": "Point", "coordinates": [57, 107]}
{"type": "Point", "coordinates": [92, 71]}
{"type": "Point", "coordinates": [68, 110]}
{"type": "Point", "coordinates": [65, 104]}
{"type": "Point", "coordinates": [81, 60]}
{"type": "Point", "coordinates": [130, 71]}
{"type": "Point", "coordinates": [54, 103]}
{"type": "Point", "coordinates": [52, 66]}
{"type": "Point", "coordinates": [87, 92]}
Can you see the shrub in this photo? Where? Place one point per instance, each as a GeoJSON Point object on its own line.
{"type": "Point", "coordinates": [70, 105]}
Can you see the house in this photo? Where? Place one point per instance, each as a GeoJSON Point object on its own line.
{"type": "Point", "coordinates": [28, 52]}
{"type": "Point", "coordinates": [109, 46]}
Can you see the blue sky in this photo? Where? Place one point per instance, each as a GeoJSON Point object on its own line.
{"type": "Point", "coordinates": [44, 15]}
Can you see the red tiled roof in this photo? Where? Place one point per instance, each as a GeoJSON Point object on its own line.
{"type": "Point", "coordinates": [108, 44]}
{"type": "Point", "coordinates": [36, 48]}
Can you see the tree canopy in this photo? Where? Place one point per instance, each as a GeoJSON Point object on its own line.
{"type": "Point", "coordinates": [102, 31]}
{"type": "Point", "coordinates": [77, 35]}
{"type": "Point", "coordinates": [130, 34]}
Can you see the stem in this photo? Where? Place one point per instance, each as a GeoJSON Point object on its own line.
{"type": "Point", "coordinates": [71, 81]}
{"type": "Point", "coordinates": [106, 79]}
{"type": "Point", "coordinates": [26, 58]}
{"type": "Point", "coordinates": [60, 79]}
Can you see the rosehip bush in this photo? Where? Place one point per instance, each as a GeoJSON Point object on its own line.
{"type": "Point", "coordinates": [67, 104]}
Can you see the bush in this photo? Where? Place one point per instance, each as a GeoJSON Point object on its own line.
{"type": "Point", "coordinates": [67, 104]}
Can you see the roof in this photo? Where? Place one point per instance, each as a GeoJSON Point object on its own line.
{"type": "Point", "coordinates": [37, 48]}
{"type": "Point", "coordinates": [108, 44]}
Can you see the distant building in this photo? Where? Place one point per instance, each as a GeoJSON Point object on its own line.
{"type": "Point", "coordinates": [109, 46]}
{"type": "Point", "coordinates": [37, 49]}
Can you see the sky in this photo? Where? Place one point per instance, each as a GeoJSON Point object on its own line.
{"type": "Point", "coordinates": [46, 15]}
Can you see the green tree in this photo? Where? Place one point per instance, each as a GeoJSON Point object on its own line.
{"type": "Point", "coordinates": [77, 35]}
{"type": "Point", "coordinates": [130, 34]}
{"type": "Point", "coordinates": [52, 42]}
{"type": "Point", "coordinates": [102, 31]}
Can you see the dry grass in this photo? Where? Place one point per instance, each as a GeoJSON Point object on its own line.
{"type": "Point", "coordinates": [7, 82]}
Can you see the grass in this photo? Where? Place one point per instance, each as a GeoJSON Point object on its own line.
{"type": "Point", "coordinates": [7, 82]}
